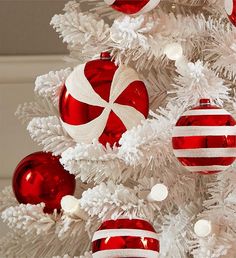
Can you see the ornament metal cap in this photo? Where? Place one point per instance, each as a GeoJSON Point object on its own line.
{"type": "Point", "coordinates": [105, 56]}
{"type": "Point", "coordinates": [205, 102]}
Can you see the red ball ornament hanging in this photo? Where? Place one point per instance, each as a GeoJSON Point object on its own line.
{"type": "Point", "coordinates": [230, 7]}
{"type": "Point", "coordinates": [101, 101]}
{"type": "Point", "coordinates": [125, 238]}
{"type": "Point", "coordinates": [40, 177]}
{"type": "Point", "coordinates": [204, 139]}
{"type": "Point", "coordinates": [133, 7]}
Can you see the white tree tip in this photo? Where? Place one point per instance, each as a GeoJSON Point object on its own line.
{"type": "Point", "coordinates": [173, 51]}
{"type": "Point", "coordinates": [203, 228]}
{"type": "Point", "coordinates": [69, 203]}
{"type": "Point", "coordinates": [158, 193]}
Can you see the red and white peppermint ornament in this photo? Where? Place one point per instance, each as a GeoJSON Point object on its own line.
{"type": "Point", "coordinates": [133, 7]}
{"type": "Point", "coordinates": [204, 139]}
{"type": "Point", "coordinates": [101, 101]}
{"type": "Point", "coordinates": [230, 7]}
{"type": "Point", "coordinates": [125, 238]}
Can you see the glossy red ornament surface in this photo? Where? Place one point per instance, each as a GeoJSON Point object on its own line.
{"type": "Point", "coordinates": [212, 142]}
{"type": "Point", "coordinates": [133, 6]}
{"type": "Point", "coordinates": [40, 177]}
{"type": "Point", "coordinates": [129, 6]}
{"type": "Point", "coordinates": [100, 75]}
{"type": "Point", "coordinates": [230, 6]}
{"type": "Point", "coordinates": [126, 242]}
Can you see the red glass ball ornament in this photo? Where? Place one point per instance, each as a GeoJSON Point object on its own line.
{"type": "Point", "coordinates": [204, 139]}
{"type": "Point", "coordinates": [40, 177]}
{"type": "Point", "coordinates": [125, 238]}
{"type": "Point", "coordinates": [230, 7]}
{"type": "Point", "coordinates": [133, 7]}
{"type": "Point", "coordinates": [75, 113]}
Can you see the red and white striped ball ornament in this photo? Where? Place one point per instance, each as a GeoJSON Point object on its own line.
{"type": "Point", "coordinates": [133, 6]}
{"type": "Point", "coordinates": [204, 139]}
{"type": "Point", "coordinates": [125, 238]}
{"type": "Point", "coordinates": [101, 101]}
{"type": "Point", "coordinates": [230, 7]}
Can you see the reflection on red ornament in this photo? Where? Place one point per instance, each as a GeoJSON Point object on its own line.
{"type": "Point", "coordinates": [133, 7]}
{"type": "Point", "coordinates": [99, 74]}
{"type": "Point", "coordinates": [204, 139]}
{"type": "Point", "coordinates": [230, 7]}
{"type": "Point", "coordinates": [40, 177]}
{"type": "Point", "coordinates": [125, 237]}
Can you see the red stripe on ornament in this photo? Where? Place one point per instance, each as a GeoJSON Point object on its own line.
{"type": "Point", "coordinates": [207, 172]}
{"type": "Point", "coordinates": [206, 120]}
{"type": "Point", "coordinates": [125, 242]}
{"type": "Point", "coordinates": [101, 79]}
{"type": "Point", "coordinates": [127, 224]}
{"type": "Point", "coordinates": [74, 112]}
{"type": "Point", "coordinates": [194, 142]}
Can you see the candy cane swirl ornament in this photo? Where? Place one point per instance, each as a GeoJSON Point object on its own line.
{"type": "Point", "coordinates": [133, 6]}
{"type": "Point", "coordinates": [125, 238]}
{"type": "Point", "coordinates": [204, 139]}
{"type": "Point", "coordinates": [101, 101]}
{"type": "Point", "coordinates": [230, 7]}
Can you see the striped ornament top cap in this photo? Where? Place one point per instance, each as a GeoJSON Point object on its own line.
{"type": "Point", "coordinates": [125, 238]}
{"type": "Point", "coordinates": [204, 139]}
{"type": "Point", "coordinates": [100, 101]}
{"type": "Point", "coordinates": [230, 8]}
{"type": "Point", "coordinates": [133, 7]}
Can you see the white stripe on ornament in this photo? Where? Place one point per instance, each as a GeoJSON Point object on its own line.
{"type": "Point", "coordinates": [126, 115]}
{"type": "Point", "coordinates": [109, 2]}
{"type": "Point", "coordinates": [229, 6]}
{"type": "Point", "coordinates": [181, 131]}
{"type": "Point", "coordinates": [86, 133]}
{"type": "Point", "coordinates": [205, 153]}
{"type": "Point", "coordinates": [205, 112]}
{"type": "Point", "coordinates": [123, 232]}
{"type": "Point", "coordinates": [80, 88]}
{"type": "Point", "coordinates": [122, 78]}
{"type": "Point", "coordinates": [148, 7]}
{"type": "Point", "coordinates": [206, 168]}
{"type": "Point", "coordinates": [126, 253]}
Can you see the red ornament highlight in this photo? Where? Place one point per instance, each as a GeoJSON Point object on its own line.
{"type": "Point", "coordinates": [102, 101]}
{"type": "Point", "coordinates": [204, 139]}
{"type": "Point", "coordinates": [230, 7]}
{"type": "Point", "coordinates": [40, 177]}
{"type": "Point", "coordinates": [133, 7]}
{"type": "Point", "coordinates": [125, 238]}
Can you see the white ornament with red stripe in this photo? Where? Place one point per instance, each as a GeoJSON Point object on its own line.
{"type": "Point", "coordinates": [132, 7]}
{"type": "Point", "coordinates": [125, 238]}
{"type": "Point", "coordinates": [230, 8]}
{"type": "Point", "coordinates": [100, 101]}
{"type": "Point", "coordinates": [204, 139]}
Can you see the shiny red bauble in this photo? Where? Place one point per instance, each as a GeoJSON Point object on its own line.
{"type": "Point", "coordinates": [204, 139]}
{"type": "Point", "coordinates": [125, 238]}
{"type": "Point", "coordinates": [133, 7]}
{"type": "Point", "coordinates": [230, 7]}
{"type": "Point", "coordinates": [99, 74]}
{"type": "Point", "coordinates": [39, 178]}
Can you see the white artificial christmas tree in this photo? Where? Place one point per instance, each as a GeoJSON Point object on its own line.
{"type": "Point", "coordinates": [183, 50]}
